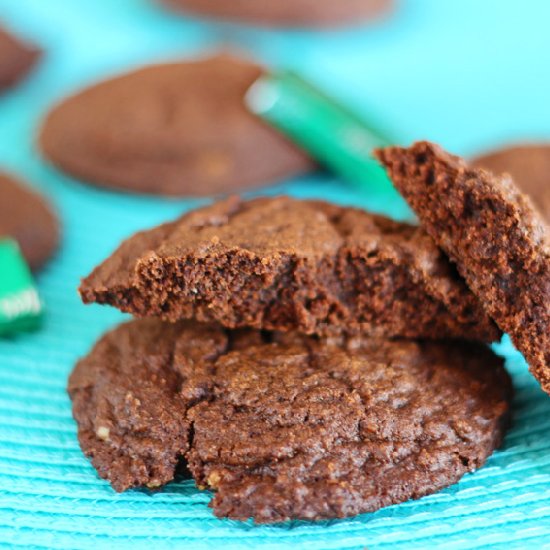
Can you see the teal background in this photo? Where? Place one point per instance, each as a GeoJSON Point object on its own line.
{"type": "Point", "coordinates": [469, 74]}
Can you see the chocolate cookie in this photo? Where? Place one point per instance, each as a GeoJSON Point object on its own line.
{"type": "Point", "coordinates": [323, 13]}
{"type": "Point", "coordinates": [529, 166]}
{"type": "Point", "coordinates": [16, 59]}
{"type": "Point", "coordinates": [499, 242]}
{"type": "Point", "coordinates": [175, 129]}
{"type": "Point", "coordinates": [26, 217]}
{"type": "Point", "coordinates": [286, 427]}
{"type": "Point", "coordinates": [285, 264]}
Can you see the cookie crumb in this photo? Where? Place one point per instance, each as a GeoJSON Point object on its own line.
{"type": "Point", "coordinates": [103, 433]}
{"type": "Point", "coordinates": [214, 479]}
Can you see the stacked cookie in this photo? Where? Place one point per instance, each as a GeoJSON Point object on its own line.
{"type": "Point", "coordinates": [306, 360]}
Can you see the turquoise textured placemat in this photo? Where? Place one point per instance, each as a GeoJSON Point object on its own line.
{"type": "Point", "coordinates": [465, 73]}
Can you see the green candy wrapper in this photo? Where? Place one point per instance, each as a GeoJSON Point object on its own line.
{"type": "Point", "coordinates": [20, 306]}
{"type": "Point", "coordinates": [335, 136]}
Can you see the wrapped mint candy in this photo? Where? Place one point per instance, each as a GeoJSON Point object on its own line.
{"type": "Point", "coordinates": [20, 306]}
{"type": "Point", "coordinates": [335, 136]}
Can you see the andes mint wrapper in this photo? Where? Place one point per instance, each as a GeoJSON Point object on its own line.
{"type": "Point", "coordinates": [20, 305]}
{"type": "Point", "coordinates": [334, 135]}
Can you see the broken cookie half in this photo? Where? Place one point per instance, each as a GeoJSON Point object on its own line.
{"type": "Point", "coordinates": [286, 264]}
{"type": "Point", "coordinates": [493, 233]}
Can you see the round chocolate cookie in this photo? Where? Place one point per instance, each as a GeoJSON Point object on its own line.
{"type": "Point", "coordinates": [16, 59]}
{"type": "Point", "coordinates": [287, 426]}
{"type": "Point", "coordinates": [174, 129]}
{"type": "Point", "coordinates": [26, 217]}
{"type": "Point", "coordinates": [529, 166]}
{"type": "Point", "coordinates": [322, 13]}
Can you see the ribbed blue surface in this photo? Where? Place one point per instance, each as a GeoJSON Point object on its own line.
{"type": "Point", "coordinates": [467, 74]}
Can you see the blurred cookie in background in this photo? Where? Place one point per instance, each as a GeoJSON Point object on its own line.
{"type": "Point", "coordinates": [529, 166]}
{"type": "Point", "coordinates": [178, 129]}
{"type": "Point", "coordinates": [29, 219]}
{"type": "Point", "coordinates": [291, 13]}
{"type": "Point", "coordinates": [16, 59]}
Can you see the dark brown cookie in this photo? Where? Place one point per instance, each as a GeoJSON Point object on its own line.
{"type": "Point", "coordinates": [285, 264]}
{"type": "Point", "coordinates": [529, 166]}
{"type": "Point", "coordinates": [130, 400]}
{"type": "Point", "coordinates": [500, 243]}
{"type": "Point", "coordinates": [16, 59]}
{"type": "Point", "coordinates": [286, 427]}
{"type": "Point", "coordinates": [318, 13]}
{"type": "Point", "coordinates": [26, 217]}
{"type": "Point", "coordinates": [175, 129]}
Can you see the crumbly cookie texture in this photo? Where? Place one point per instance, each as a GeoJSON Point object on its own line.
{"type": "Point", "coordinates": [286, 264]}
{"type": "Point", "coordinates": [529, 166]}
{"type": "Point", "coordinates": [285, 426]}
{"type": "Point", "coordinates": [498, 240]}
